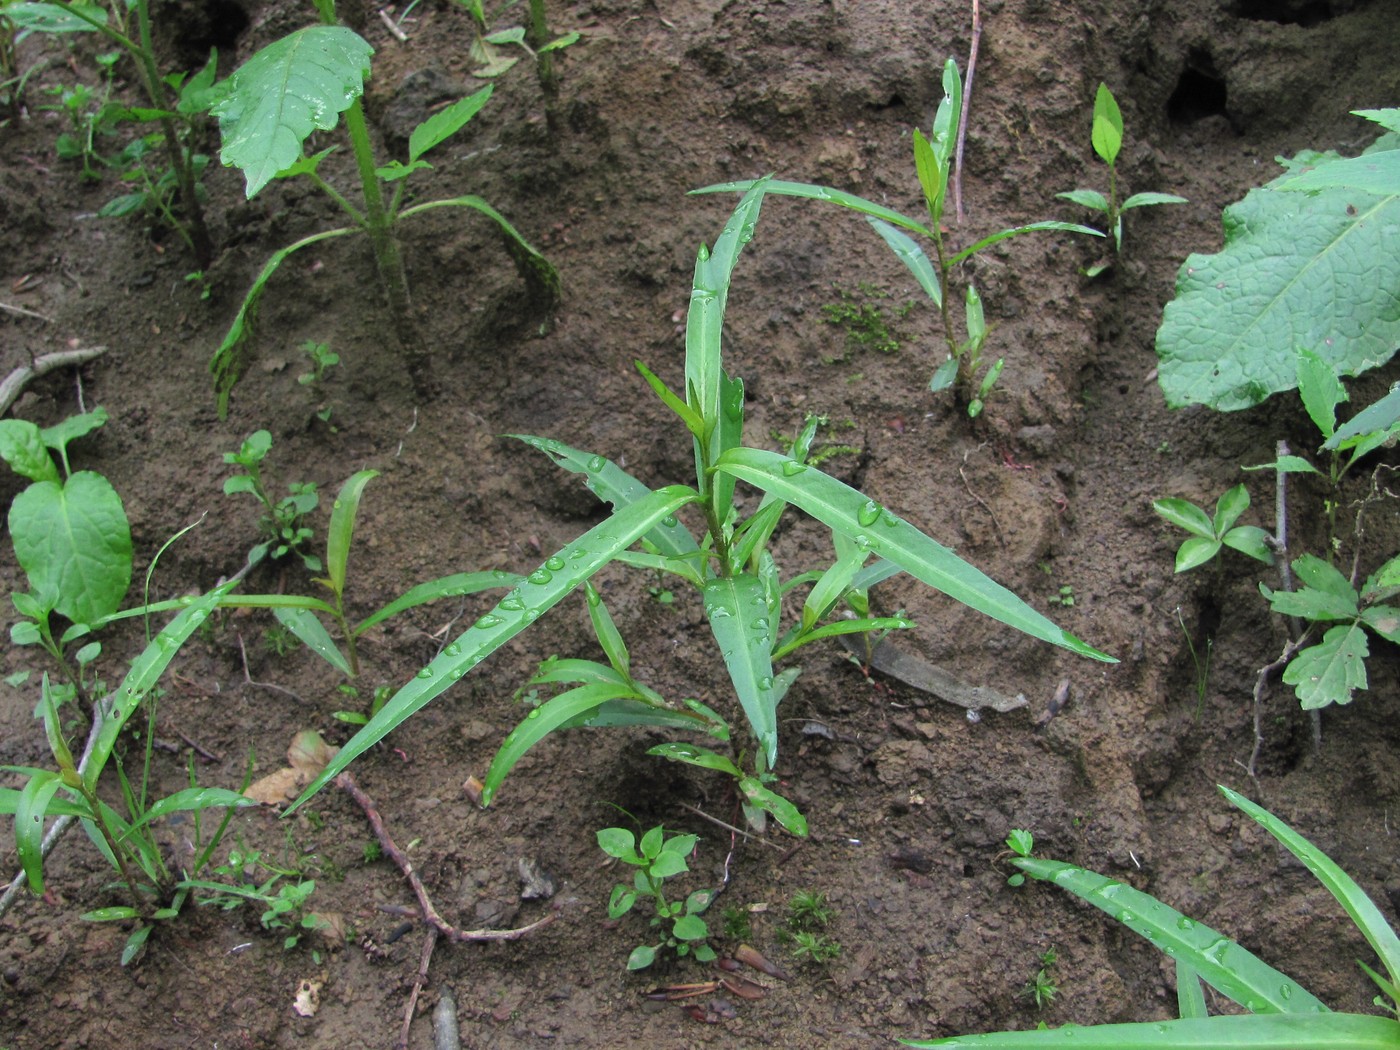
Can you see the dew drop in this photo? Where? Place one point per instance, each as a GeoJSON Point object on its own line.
{"type": "Point", "coordinates": [534, 713]}
{"type": "Point", "coordinates": [760, 624]}
{"type": "Point", "coordinates": [765, 683]}
{"type": "Point", "coordinates": [456, 650]}
{"type": "Point", "coordinates": [1285, 991]}
{"type": "Point", "coordinates": [595, 464]}
{"type": "Point", "coordinates": [862, 541]}
{"type": "Point", "coordinates": [554, 564]}
{"type": "Point", "coordinates": [792, 468]}
{"type": "Point", "coordinates": [868, 513]}
{"type": "Point", "coordinates": [499, 574]}
{"type": "Point", "coordinates": [531, 615]}
{"type": "Point", "coordinates": [577, 553]}
{"type": "Point", "coordinates": [669, 521]}
{"type": "Point", "coordinates": [540, 577]}
{"type": "Point", "coordinates": [457, 674]}
{"type": "Point", "coordinates": [718, 612]}
{"type": "Point", "coordinates": [1184, 923]}
{"type": "Point", "coordinates": [427, 672]}
{"type": "Point", "coordinates": [511, 603]}
{"type": "Point", "coordinates": [487, 622]}
{"type": "Point", "coordinates": [888, 520]}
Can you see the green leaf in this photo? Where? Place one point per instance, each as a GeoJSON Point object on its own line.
{"type": "Point", "coordinates": [692, 755]}
{"type": "Point", "coordinates": [926, 167]}
{"type": "Point", "coordinates": [642, 956]}
{"type": "Point", "coordinates": [1288, 465]}
{"type": "Point", "coordinates": [1332, 671]}
{"type": "Point", "coordinates": [1190, 996]}
{"type": "Point", "coordinates": [945, 123]}
{"type": "Point", "coordinates": [908, 251]}
{"type": "Point", "coordinates": [609, 637]}
{"type": "Point", "coordinates": [455, 586]}
{"type": "Point", "coordinates": [192, 799]}
{"type": "Point", "coordinates": [1321, 391]}
{"type": "Point", "coordinates": [543, 720]}
{"type": "Point", "coordinates": [1323, 576]}
{"type": "Point", "coordinates": [342, 528]}
{"type": "Point", "coordinates": [1107, 134]}
{"type": "Point", "coordinates": [1086, 198]}
{"type": "Point", "coordinates": [944, 376]}
{"type": "Point", "coordinates": [303, 624]}
{"type": "Point", "coordinates": [1376, 171]}
{"type": "Point", "coordinates": [687, 415]}
{"type": "Point", "coordinates": [737, 609]}
{"type": "Point", "coordinates": [690, 928]}
{"type": "Point", "coordinates": [1016, 231]}
{"type": "Point", "coordinates": [74, 544]}
{"type": "Point", "coordinates": [1228, 509]}
{"type": "Point", "coordinates": [445, 123]}
{"type": "Point", "coordinates": [393, 171]}
{"type": "Point", "coordinates": [1144, 200]}
{"type": "Point", "coordinates": [1221, 963]}
{"type": "Point", "coordinates": [55, 18]}
{"type": "Point", "coordinates": [537, 594]}
{"type": "Point", "coordinates": [783, 811]}
{"type": "Point", "coordinates": [1358, 906]}
{"type": "Point", "coordinates": [822, 193]}
{"type": "Point", "coordinates": [1296, 272]}
{"type": "Point", "coordinates": [528, 260]}
{"type": "Point", "coordinates": [619, 843]}
{"type": "Point", "coordinates": [843, 509]}
{"type": "Point", "coordinates": [22, 447]}
{"type": "Point", "coordinates": [1236, 1032]}
{"type": "Point", "coordinates": [1374, 418]}
{"type": "Point", "coordinates": [1251, 540]}
{"type": "Point", "coordinates": [292, 87]}
{"type": "Point", "coordinates": [1384, 620]}
{"type": "Point", "coordinates": [1186, 515]}
{"type": "Point", "coordinates": [609, 482]}
{"type": "Point", "coordinates": [58, 436]}
{"type": "Point", "coordinates": [877, 625]}
{"type": "Point", "coordinates": [29, 825]}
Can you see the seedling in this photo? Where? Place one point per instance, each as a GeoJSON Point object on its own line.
{"type": "Point", "coordinates": [535, 40]}
{"type": "Point", "coordinates": [175, 101]}
{"type": "Point", "coordinates": [1063, 597]}
{"type": "Point", "coordinates": [738, 926]}
{"type": "Point", "coordinates": [284, 896]}
{"type": "Point", "coordinates": [658, 858]}
{"type": "Point", "coordinates": [1107, 139]}
{"type": "Point", "coordinates": [964, 370]}
{"type": "Point", "coordinates": [1201, 662]}
{"type": "Point", "coordinates": [1209, 534]}
{"type": "Point", "coordinates": [266, 111]}
{"type": "Point", "coordinates": [729, 565]}
{"type": "Point", "coordinates": [322, 361]}
{"type": "Point", "coordinates": [809, 910]}
{"type": "Point", "coordinates": [1041, 989]}
{"type": "Point", "coordinates": [282, 521]}
{"type": "Point", "coordinates": [1280, 1013]}
{"type": "Point", "coordinates": [815, 948]}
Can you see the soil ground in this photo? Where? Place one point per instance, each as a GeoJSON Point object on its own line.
{"type": "Point", "coordinates": [908, 800]}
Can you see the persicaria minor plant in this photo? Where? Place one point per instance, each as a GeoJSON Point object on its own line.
{"type": "Point", "coordinates": [726, 559]}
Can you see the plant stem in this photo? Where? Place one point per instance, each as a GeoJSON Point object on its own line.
{"type": "Point", "coordinates": [962, 117]}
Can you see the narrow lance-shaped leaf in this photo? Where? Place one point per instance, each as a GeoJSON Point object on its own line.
{"type": "Point", "coordinates": [537, 594]}
{"type": "Point", "coordinates": [737, 609]}
{"type": "Point", "coordinates": [1236, 1032]}
{"type": "Point", "coordinates": [1359, 907]}
{"type": "Point", "coordinates": [313, 634]}
{"type": "Point", "coordinates": [446, 123]}
{"type": "Point", "coordinates": [1228, 968]}
{"type": "Point", "coordinates": [822, 193]}
{"type": "Point", "coordinates": [342, 528]}
{"type": "Point", "coordinates": [844, 509]}
{"type": "Point", "coordinates": [609, 482]}
{"type": "Point", "coordinates": [908, 251]}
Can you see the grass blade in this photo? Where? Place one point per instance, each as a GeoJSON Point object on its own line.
{"type": "Point", "coordinates": [737, 609]}
{"type": "Point", "coordinates": [1190, 997]}
{"type": "Point", "coordinates": [907, 250]}
{"type": "Point", "coordinates": [1236, 1032]}
{"type": "Point", "coordinates": [532, 598]}
{"type": "Point", "coordinates": [1001, 235]}
{"type": "Point", "coordinates": [33, 803]}
{"type": "Point", "coordinates": [843, 509]}
{"type": "Point", "coordinates": [1352, 898]}
{"type": "Point", "coordinates": [314, 636]}
{"type": "Point", "coordinates": [1224, 965]}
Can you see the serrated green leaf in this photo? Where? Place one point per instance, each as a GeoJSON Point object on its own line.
{"type": "Point", "coordinates": [1323, 576]}
{"type": "Point", "coordinates": [1311, 604]}
{"type": "Point", "coordinates": [1320, 391]}
{"type": "Point", "coordinates": [1297, 271]}
{"type": "Point", "coordinates": [292, 87]}
{"type": "Point", "coordinates": [1107, 132]}
{"type": "Point", "coordinates": [74, 544]}
{"type": "Point", "coordinates": [1332, 671]}
{"type": "Point", "coordinates": [1384, 620]}
{"type": "Point", "coordinates": [445, 123]}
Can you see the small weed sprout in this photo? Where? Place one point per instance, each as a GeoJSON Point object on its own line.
{"type": "Point", "coordinates": [1041, 989]}
{"type": "Point", "coordinates": [737, 923]}
{"type": "Point", "coordinates": [1063, 597]}
{"type": "Point", "coordinates": [283, 520]}
{"type": "Point", "coordinates": [322, 361]}
{"type": "Point", "coordinates": [864, 321]}
{"type": "Point", "coordinates": [1107, 139]}
{"type": "Point", "coordinates": [657, 858]}
{"type": "Point", "coordinates": [1201, 662]}
{"type": "Point", "coordinates": [808, 913]}
{"type": "Point", "coordinates": [808, 910]}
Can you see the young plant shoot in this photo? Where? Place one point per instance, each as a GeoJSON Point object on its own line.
{"type": "Point", "coordinates": [267, 109]}
{"type": "Point", "coordinates": [726, 561]}
{"type": "Point", "coordinates": [964, 370]}
{"type": "Point", "coordinates": [1107, 138]}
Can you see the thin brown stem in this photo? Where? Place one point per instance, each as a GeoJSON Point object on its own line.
{"type": "Point", "coordinates": [962, 117]}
